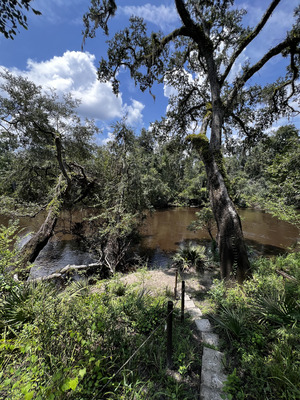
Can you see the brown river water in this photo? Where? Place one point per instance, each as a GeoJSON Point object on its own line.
{"type": "Point", "coordinates": [164, 231]}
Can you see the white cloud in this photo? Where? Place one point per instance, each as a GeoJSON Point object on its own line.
{"type": "Point", "coordinates": [74, 72]}
{"type": "Point", "coordinates": [110, 138]}
{"type": "Point", "coordinates": [162, 16]}
{"type": "Point", "coordinates": [169, 90]}
{"type": "Point", "coordinates": [133, 113]}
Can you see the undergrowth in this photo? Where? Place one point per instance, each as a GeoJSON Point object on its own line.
{"type": "Point", "coordinates": [71, 344]}
{"type": "Point", "coordinates": [259, 323]}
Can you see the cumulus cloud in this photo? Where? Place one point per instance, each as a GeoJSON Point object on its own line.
{"type": "Point", "coordinates": [74, 72]}
{"type": "Point", "coordinates": [162, 16]}
{"type": "Point", "coordinates": [133, 112]}
{"type": "Point", "coordinates": [110, 138]}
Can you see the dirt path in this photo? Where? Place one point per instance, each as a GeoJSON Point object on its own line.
{"type": "Point", "coordinates": [163, 281]}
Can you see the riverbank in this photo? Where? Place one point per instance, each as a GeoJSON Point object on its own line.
{"type": "Point", "coordinates": [164, 231]}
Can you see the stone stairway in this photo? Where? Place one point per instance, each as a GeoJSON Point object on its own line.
{"type": "Point", "coordinates": [212, 375]}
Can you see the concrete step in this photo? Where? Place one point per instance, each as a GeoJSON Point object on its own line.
{"type": "Point", "coordinates": [207, 393]}
{"type": "Point", "coordinates": [189, 304]}
{"type": "Point", "coordinates": [212, 376]}
{"type": "Point", "coordinates": [203, 325]}
{"type": "Point", "coordinates": [212, 339]}
{"type": "Point", "coordinates": [195, 313]}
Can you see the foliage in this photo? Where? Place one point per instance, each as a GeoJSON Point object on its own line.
{"type": "Point", "coordinates": [190, 256]}
{"type": "Point", "coordinates": [76, 340]}
{"type": "Point", "coordinates": [267, 174]}
{"type": "Point", "coordinates": [205, 219]}
{"type": "Point", "coordinates": [9, 260]}
{"type": "Point", "coordinates": [117, 233]}
{"type": "Point", "coordinates": [8, 246]}
{"type": "Point", "coordinates": [260, 327]}
{"type": "Point", "coordinates": [197, 60]}
{"type": "Point", "coordinates": [11, 14]}
{"type": "Point", "coordinates": [49, 135]}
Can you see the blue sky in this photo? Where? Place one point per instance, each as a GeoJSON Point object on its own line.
{"type": "Point", "coordinates": [49, 54]}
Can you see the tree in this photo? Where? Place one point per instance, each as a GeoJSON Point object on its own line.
{"type": "Point", "coordinates": [48, 135]}
{"type": "Point", "coordinates": [196, 59]}
{"type": "Point", "coordinates": [12, 15]}
{"type": "Point", "coordinates": [267, 174]}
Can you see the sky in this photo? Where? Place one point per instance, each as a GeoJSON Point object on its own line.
{"type": "Point", "coordinates": [49, 53]}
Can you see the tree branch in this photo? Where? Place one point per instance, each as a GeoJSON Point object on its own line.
{"type": "Point", "coordinates": [249, 38]}
{"type": "Point", "coordinates": [241, 123]}
{"type": "Point", "coordinates": [196, 32]}
{"type": "Point", "coordinates": [256, 67]}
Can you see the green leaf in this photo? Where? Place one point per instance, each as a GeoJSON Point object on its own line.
{"type": "Point", "coordinates": [29, 395]}
{"type": "Point", "coordinates": [73, 383]}
{"type": "Point", "coordinates": [82, 372]}
{"type": "Point", "coordinates": [70, 384]}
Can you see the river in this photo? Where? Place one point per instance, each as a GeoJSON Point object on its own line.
{"type": "Point", "coordinates": [163, 232]}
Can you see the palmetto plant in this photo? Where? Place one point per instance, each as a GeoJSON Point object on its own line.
{"type": "Point", "coordinates": [233, 321]}
{"type": "Point", "coordinates": [16, 307]}
{"type": "Point", "coordinates": [278, 308]}
{"type": "Point", "coordinates": [190, 256]}
{"type": "Point", "coordinates": [22, 304]}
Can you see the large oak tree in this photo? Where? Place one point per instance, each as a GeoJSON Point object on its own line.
{"type": "Point", "coordinates": [197, 59]}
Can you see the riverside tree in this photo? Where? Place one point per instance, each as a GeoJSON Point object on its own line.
{"type": "Point", "coordinates": [48, 143]}
{"type": "Point", "coordinates": [198, 59]}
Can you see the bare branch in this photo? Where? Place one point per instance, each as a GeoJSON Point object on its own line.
{"type": "Point", "coordinates": [250, 38]}
{"type": "Point", "coordinates": [289, 41]}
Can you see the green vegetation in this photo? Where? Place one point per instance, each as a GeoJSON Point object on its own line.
{"type": "Point", "coordinates": [72, 343]}
{"type": "Point", "coordinates": [211, 101]}
{"type": "Point", "coordinates": [267, 175]}
{"type": "Point", "coordinates": [260, 327]}
{"type": "Point", "coordinates": [12, 14]}
{"type": "Point", "coordinates": [79, 342]}
{"type": "Point", "coordinates": [190, 256]}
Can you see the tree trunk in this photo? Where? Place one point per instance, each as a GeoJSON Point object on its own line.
{"type": "Point", "coordinates": [234, 261]}
{"type": "Point", "coordinates": [233, 254]}
{"type": "Point", "coordinates": [32, 248]}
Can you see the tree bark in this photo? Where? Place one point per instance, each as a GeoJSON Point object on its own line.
{"type": "Point", "coordinates": [234, 261]}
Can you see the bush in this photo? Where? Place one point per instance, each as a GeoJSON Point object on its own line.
{"type": "Point", "coordinates": [190, 256]}
{"type": "Point", "coordinates": [260, 327]}
{"type": "Point", "coordinates": [71, 344]}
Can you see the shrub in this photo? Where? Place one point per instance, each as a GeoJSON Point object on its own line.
{"type": "Point", "coordinates": [71, 344]}
{"type": "Point", "coordinates": [190, 256]}
{"type": "Point", "coordinates": [260, 326]}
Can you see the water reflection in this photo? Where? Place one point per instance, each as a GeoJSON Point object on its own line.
{"type": "Point", "coordinates": [162, 233]}
{"type": "Point", "coordinates": [59, 253]}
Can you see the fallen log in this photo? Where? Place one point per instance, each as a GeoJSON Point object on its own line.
{"type": "Point", "coordinates": [62, 275]}
{"type": "Point", "coordinates": [32, 248]}
{"type": "Point", "coordinates": [285, 275]}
